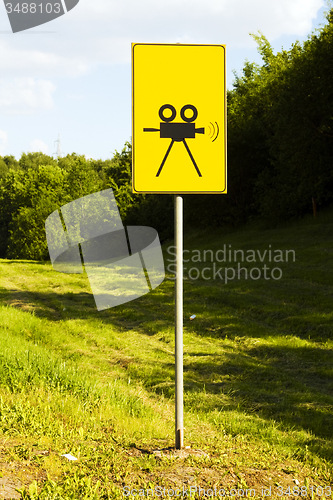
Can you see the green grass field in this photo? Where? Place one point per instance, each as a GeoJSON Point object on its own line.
{"type": "Point", "coordinates": [258, 375]}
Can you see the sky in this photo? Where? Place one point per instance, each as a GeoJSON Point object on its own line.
{"type": "Point", "coordinates": [72, 76]}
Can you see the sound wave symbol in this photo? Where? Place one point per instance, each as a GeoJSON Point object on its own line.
{"type": "Point", "coordinates": [214, 131]}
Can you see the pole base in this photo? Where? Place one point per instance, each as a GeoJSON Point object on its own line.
{"type": "Point", "coordinates": [179, 439]}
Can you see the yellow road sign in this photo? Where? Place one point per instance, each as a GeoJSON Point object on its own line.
{"type": "Point", "coordinates": [179, 118]}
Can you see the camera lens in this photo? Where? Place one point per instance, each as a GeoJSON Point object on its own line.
{"type": "Point", "coordinates": [192, 108]}
{"type": "Point", "coordinates": [164, 118]}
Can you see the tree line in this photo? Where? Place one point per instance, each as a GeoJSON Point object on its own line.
{"type": "Point", "coordinates": [280, 158]}
{"type": "Point", "coordinates": [32, 187]}
{"type": "Point", "coordinates": [280, 135]}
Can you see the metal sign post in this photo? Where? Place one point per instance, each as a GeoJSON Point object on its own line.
{"type": "Point", "coordinates": [179, 131]}
{"type": "Point", "coordinates": [178, 203]}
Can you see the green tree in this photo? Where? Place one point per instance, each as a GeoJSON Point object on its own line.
{"type": "Point", "coordinates": [30, 197]}
{"type": "Point", "coordinates": [34, 160]}
{"type": "Point", "coordinates": [118, 176]}
{"type": "Point", "coordinates": [82, 179]}
{"type": "Point", "coordinates": [301, 145]}
{"type": "Point", "coordinates": [7, 163]}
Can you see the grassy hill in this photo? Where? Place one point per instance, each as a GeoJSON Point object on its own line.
{"type": "Point", "coordinates": [258, 374]}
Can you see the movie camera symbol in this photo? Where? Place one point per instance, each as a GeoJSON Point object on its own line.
{"type": "Point", "coordinates": [178, 131]}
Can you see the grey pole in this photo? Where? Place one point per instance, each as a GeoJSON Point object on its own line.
{"type": "Point", "coordinates": [178, 201]}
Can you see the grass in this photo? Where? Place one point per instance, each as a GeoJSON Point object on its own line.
{"type": "Point", "coordinates": [258, 374]}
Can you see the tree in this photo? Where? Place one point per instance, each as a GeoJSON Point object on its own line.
{"type": "Point", "coordinates": [30, 197]}
{"type": "Point", "coordinates": [34, 160]}
{"type": "Point", "coordinates": [301, 144]}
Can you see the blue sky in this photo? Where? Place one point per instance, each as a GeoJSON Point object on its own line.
{"type": "Point", "coordinates": [73, 75]}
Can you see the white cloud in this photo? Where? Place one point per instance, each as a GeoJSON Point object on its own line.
{"type": "Point", "coordinates": [212, 21]}
{"type": "Point", "coordinates": [3, 142]}
{"type": "Point", "coordinates": [38, 145]}
{"type": "Point", "coordinates": [282, 17]}
{"type": "Point", "coordinates": [25, 95]}
{"type": "Point", "coordinates": [100, 32]}
{"type": "Point", "coordinates": [39, 59]}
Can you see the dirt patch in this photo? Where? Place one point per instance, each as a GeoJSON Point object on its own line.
{"type": "Point", "coordinates": [234, 481]}
{"type": "Point", "coordinates": [16, 474]}
{"type": "Point", "coordinates": [11, 479]}
{"type": "Point", "coordinates": [8, 488]}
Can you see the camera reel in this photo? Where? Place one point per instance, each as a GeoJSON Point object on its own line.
{"type": "Point", "coordinates": [174, 113]}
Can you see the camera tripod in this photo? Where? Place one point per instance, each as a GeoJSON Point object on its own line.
{"type": "Point", "coordinates": [177, 132]}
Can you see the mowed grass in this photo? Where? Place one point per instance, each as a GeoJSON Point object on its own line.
{"type": "Point", "coordinates": [258, 373]}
